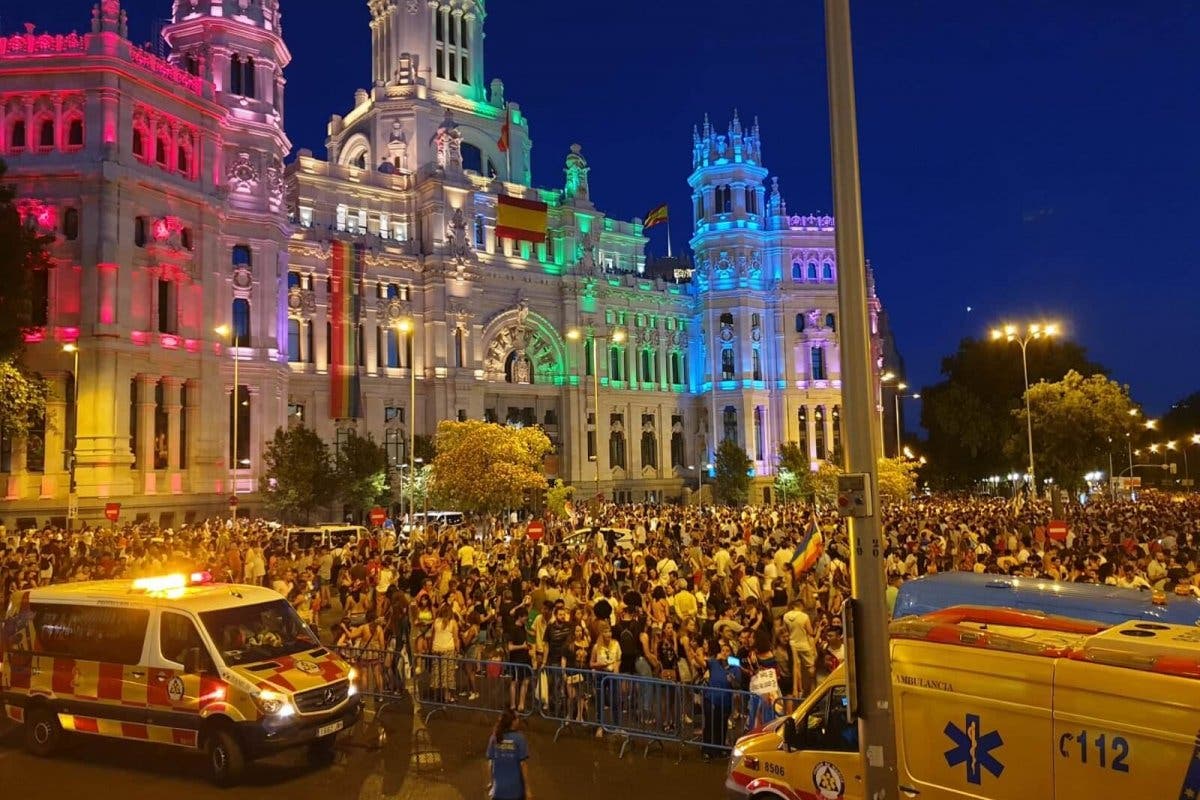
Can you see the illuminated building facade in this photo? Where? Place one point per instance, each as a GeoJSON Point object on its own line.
{"type": "Point", "coordinates": [478, 316]}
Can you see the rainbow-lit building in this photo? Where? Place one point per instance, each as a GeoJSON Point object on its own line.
{"type": "Point", "coordinates": [419, 258]}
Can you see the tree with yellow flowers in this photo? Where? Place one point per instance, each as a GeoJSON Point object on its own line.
{"type": "Point", "coordinates": [484, 468]}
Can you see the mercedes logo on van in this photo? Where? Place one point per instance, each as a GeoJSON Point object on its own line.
{"type": "Point", "coordinates": [330, 696]}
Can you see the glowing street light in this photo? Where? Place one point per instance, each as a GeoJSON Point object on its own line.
{"type": "Point", "coordinates": [1010, 333]}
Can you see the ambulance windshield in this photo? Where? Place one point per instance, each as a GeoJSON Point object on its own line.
{"type": "Point", "coordinates": [246, 634]}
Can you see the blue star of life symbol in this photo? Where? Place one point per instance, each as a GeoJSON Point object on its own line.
{"type": "Point", "coordinates": [974, 750]}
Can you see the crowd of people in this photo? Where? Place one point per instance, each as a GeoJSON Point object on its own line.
{"type": "Point", "coordinates": [666, 591]}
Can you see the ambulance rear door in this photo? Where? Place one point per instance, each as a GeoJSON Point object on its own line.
{"type": "Point", "coordinates": [1124, 733]}
{"type": "Point", "coordinates": [972, 722]}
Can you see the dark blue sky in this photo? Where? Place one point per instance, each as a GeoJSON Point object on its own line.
{"type": "Point", "coordinates": [1025, 158]}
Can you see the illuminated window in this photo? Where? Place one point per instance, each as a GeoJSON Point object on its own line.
{"type": "Point", "coordinates": [46, 134]}
{"type": "Point", "coordinates": [16, 141]}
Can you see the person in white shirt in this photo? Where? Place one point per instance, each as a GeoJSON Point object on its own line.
{"type": "Point", "coordinates": [722, 561]}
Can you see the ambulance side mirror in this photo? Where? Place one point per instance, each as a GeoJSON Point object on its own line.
{"type": "Point", "coordinates": [193, 663]}
{"type": "Point", "coordinates": [792, 735]}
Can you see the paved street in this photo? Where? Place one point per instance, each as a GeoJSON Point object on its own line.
{"type": "Point", "coordinates": [451, 750]}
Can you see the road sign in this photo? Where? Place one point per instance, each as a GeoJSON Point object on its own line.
{"type": "Point", "coordinates": [112, 511]}
{"type": "Point", "coordinates": [1057, 529]}
{"type": "Point", "coordinates": [378, 516]}
{"type": "Point", "coordinates": [536, 530]}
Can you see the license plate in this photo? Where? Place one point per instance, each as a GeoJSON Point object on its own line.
{"type": "Point", "coordinates": [332, 727]}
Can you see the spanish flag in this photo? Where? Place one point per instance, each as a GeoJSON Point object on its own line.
{"type": "Point", "coordinates": [656, 217]}
{"type": "Point", "coordinates": [809, 551]}
{"type": "Point", "coordinates": [502, 143]}
{"type": "Point", "coordinates": [521, 220]}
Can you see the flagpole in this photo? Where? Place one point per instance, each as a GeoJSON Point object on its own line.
{"type": "Point", "coordinates": [668, 235]}
{"type": "Point", "coordinates": [508, 144]}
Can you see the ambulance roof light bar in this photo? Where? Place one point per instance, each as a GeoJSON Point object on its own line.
{"type": "Point", "coordinates": [164, 583]}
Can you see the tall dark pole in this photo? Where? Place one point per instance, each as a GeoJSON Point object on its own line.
{"type": "Point", "coordinates": [873, 677]}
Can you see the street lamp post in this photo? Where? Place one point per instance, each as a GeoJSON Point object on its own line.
{"type": "Point", "coordinates": [408, 328]}
{"type": "Point", "coordinates": [1010, 333]}
{"type": "Point", "coordinates": [618, 336]}
{"type": "Point", "coordinates": [898, 397]}
{"type": "Point", "coordinates": [228, 331]}
{"type": "Point", "coordinates": [72, 488]}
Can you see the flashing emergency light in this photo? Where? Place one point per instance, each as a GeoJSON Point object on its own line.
{"type": "Point", "coordinates": [164, 583]}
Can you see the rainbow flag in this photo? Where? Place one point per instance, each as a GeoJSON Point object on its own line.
{"type": "Point", "coordinates": [809, 551]}
{"type": "Point", "coordinates": [345, 306]}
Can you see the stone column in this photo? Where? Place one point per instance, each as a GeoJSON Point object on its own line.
{"type": "Point", "coordinates": [173, 404]}
{"type": "Point", "coordinates": [192, 409]}
{"type": "Point", "coordinates": [145, 417]}
{"type": "Point", "coordinates": [56, 424]}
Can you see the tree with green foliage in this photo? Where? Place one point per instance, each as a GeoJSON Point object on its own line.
{"type": "Point", "coordinates": [897, 479]}
{"type": "Point", "coordinates": [485, 468]}
{"type": "Point", "coordinates": [22, 256]}
{"type": "Point", "coordinates": [22, 402]}
{"type": "Point", "coordinates": [792, 481]}
{"type": "Point", "coordinates": [416, 489]}
{"type": "Point", "coordinates": [731, 486]}
{"type": "Point", "coordinates": [557, 497]}
{"type": "Point", "coordinates": [824, 484]}
{"type": "Point", "coordinates": [969, 413]}
{"type": "Point", "coordinates": [362, 474]}
{"type": "Point", "coordinates": [1075, 420]}
{"type": "Point", "coordinates": [299, 478]}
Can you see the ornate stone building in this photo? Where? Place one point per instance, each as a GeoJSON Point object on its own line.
{"type": "Point", "coordinates": [176, 215]}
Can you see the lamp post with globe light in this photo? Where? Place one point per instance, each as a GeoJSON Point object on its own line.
{"type": "Point", "coordinates": [1032, 332]}
{"type": "Point", "coordinates": [227, 332]}
{"type": "Point", "coordinates": [407, 327]}
{"type": "Point", "coordinates": [618, 336]}
{"type": "Point", "coordinates": [72, 489]}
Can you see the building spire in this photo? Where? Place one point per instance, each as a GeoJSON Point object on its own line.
{"type": "Point", "coordinates": [109, 17]}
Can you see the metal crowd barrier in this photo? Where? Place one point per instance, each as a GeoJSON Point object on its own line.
{"type": "Point", "coordinates": [636, 707]}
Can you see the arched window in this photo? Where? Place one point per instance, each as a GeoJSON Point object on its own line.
{"type": "Point", "coordinates": [831, 322]}
{"type": "Point", "coordinates": [728, 367]}
{"type": "Point", "coordinates": [827, 272]}
{"type": "Point", "coordinates": [160, 151]}
{"type": "Point", "coordinates": [699, 207]}
{"type": "Point", "coordinates": [836, 422]}
{"type": "Point", "coordinates": [726, 199]}
{"type": "Point", "coordinates": [802, 440]}
{"type": "Point", "coordinates": [472, 157]}
{"type": "Point", "coordinates": [46, 133]}
{"type": "Point", "coordinates": [757, 365]}
{"type": "Point", "coordinates": [139, 143]}
{"type": "Point", "coordinates": [70, 225]}
{"type": "Point", "coordinates": [800, 323]}
{"type": "Point", "coordinates": [812, 272]}
{"type": "Point", "coordinates": [16, 141]}
{"type": "Point", "coordinates": [75, 133]}
{"type": "Point", "coordinates": [727, 318]}
{"type": "Point", "coordinates": [182, 162]}
{"type": "Point", "coordinates": [293, 280]}
{"type": "Point", "coordinates": [518, 369]}
{"type": "Point", "coordinates": [819, 432]}
{"type": "Point", "coordinates": [460, 348]}
{"type": "Point", "coordinates": [797, 271]}
{"type": "Point", "coordinates": [241, 322]}
{"type": "Point", "coordinates": [241, 255]}
{"type": "Point", "coordinates": [140, 227]}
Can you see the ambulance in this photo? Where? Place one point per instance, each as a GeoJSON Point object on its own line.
{"type": "Point", "coordinates": [177, 660]}
{"type": "Point", "coordinates": [1000, 704]}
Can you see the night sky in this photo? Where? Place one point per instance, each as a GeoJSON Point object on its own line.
{"type": "Point", "coordinates": [1021, 159]}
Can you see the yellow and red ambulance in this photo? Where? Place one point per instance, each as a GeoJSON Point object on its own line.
{"type": "Point", "coordinates": [997, 704]}
{"type": "Point", "coordinates": [177, 660]}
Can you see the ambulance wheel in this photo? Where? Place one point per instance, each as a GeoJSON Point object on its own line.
{"type": "Point", "coordinates": [321, 751]}
{"type": "Point", "coordinates": [43, 734]}
{"type": "Point", "coordinates": [226, 760]}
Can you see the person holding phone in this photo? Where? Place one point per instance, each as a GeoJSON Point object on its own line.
{"type": "Point", "coordinates": [723, 670]}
